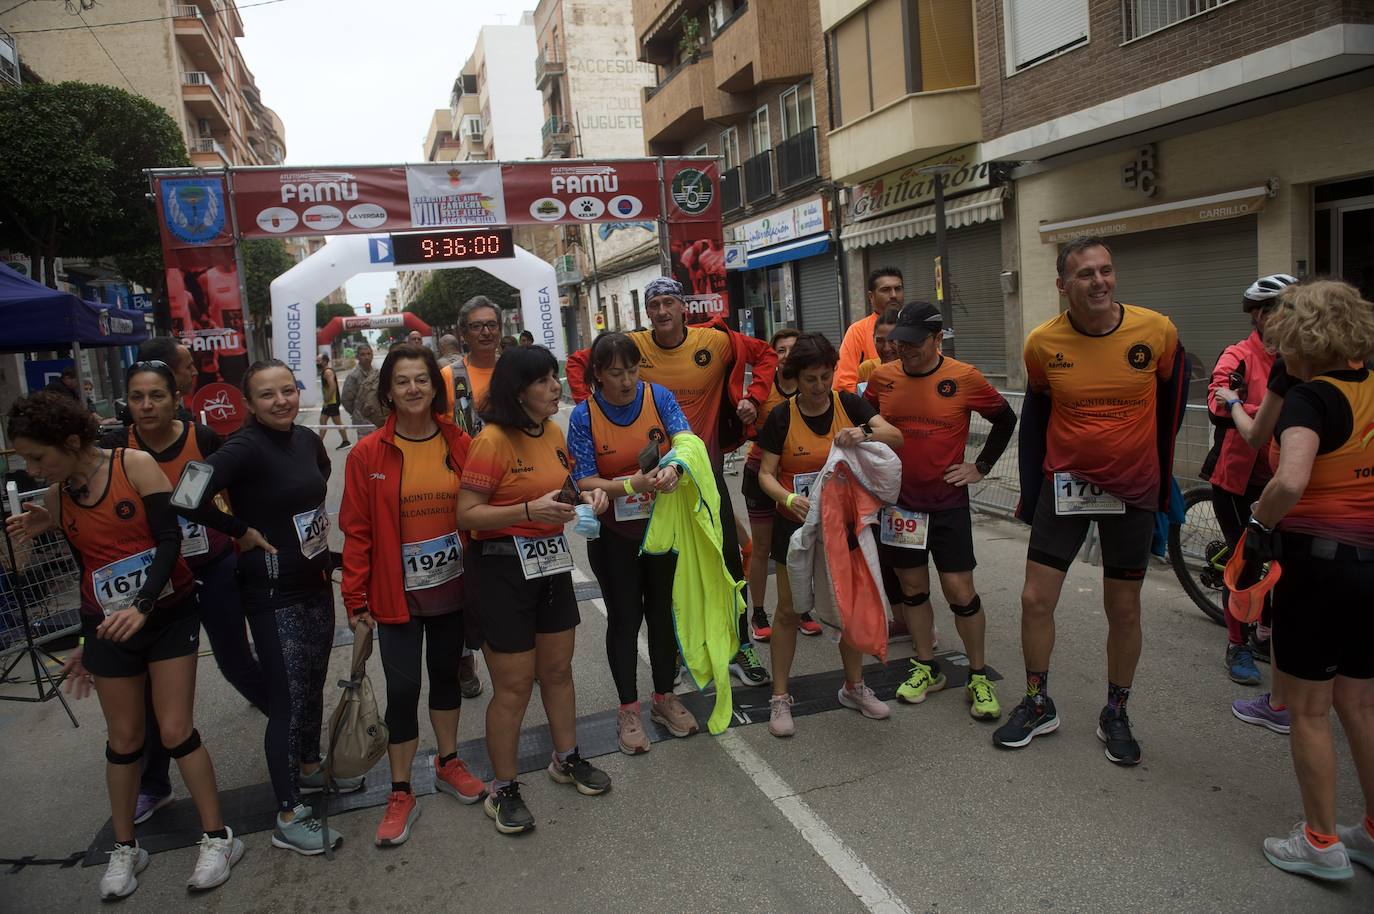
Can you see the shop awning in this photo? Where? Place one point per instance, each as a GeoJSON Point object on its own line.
{"type": "Point", "coordinates": [1231, 205]}
{"type": "Point", "coordinates": [799, 249]}
{"type": "Point", "coordinates": [983, 206]}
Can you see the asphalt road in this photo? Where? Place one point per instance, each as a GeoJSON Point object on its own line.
{"type": "Point", "coordinates": [918, 813]}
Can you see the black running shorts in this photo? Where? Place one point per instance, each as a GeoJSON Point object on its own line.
{"type": "Point", "coordinates": [1056, 539]}
{"type": "Point", "coordinates": [510, 610]}
{"type": "Point", "coordinates": [1323, 625]}
{"type": "Point", "coordinates": [169, 633]}
{"type": "Point", "coordinates": [950, 541]}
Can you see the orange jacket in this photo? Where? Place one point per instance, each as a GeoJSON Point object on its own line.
{"type": "Point", "coordinates": [748, 350]}
{"type": "Point", "coordinates": [370, 519]}
{"type": "Point", "coordinates": [858, 347]}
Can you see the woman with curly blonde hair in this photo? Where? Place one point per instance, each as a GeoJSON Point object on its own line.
{"type": "Point", "coordinates": [1316, 517]}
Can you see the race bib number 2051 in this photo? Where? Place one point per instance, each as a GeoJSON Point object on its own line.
{"type": "Point", "coordinates": [541, 557]}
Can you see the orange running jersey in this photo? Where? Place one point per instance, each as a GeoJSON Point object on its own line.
{"type": "Point", "coordinates": [1104, 393]}
{"type": "Point", "coordinates": [114, 546]}
{"type": "Point", "coordinates": [617, 452]}
{"type": "Point", "coordinates": [429, 517]}
{"type": "Point", "coordinates": [512, 468]}
{"type": "Point", "coordinates": [775, 396]}
{"type": "Point", "coordinates": [932, 412]}
{"type": "Point", "coordinates": [696, 371]}
{"type": "Point", "coordinates": [803, 451]}
{"type": "Point", "coordinates": [1338, 502]}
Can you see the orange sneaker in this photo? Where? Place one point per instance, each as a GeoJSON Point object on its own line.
{"type": "Point", "coordinates": [401, 813]}
{"type": "Point", "coordinates": [455, 780]}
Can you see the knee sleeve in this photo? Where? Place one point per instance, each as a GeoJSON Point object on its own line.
{"type": "Point", "coordinates": [187, 746]}
{"type": "Point", "coordinates": [1115, 573]}
{"type": "Point", "coordinates": [916, 599]}
{"type": "Point", "coordinates": [123, 758]}
{"type": "Point", "coordinates": [971, 608]}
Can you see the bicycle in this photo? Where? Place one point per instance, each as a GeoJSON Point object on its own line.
{"type": "Point", "coordinates": [1198, 553]}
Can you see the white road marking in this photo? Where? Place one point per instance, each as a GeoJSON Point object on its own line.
{"type": "Point", "coordinates": [865, 885]}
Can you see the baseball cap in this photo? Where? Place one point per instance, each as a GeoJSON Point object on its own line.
{"type": "Point", "coordinates": [915, 322]}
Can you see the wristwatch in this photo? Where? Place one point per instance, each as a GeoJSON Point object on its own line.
{"type": "Point", "coordinates": [144, 605]}
{"type": "Point", "coordinates": [982, 466]}
{"type": "Point", "coordinates": [868, 429]}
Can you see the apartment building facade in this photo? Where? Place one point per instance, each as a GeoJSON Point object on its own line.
{"type": "Point", "coordinates": [591, 82]}
{"type": "Point", "coordinates": [1210, 141]}
{"type": "Point", "coordinates": [746, 81]}
{"type": "Point", "coordinates": [905, 100]}
{"type": "Point", "coordinates": [182, 56]}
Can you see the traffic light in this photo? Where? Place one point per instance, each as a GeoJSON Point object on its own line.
{"type": "Point", "coordinates": [368, 307]}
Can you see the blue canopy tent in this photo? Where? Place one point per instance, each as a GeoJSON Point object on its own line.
{"type": "Point", "coordinates": [32, 316]}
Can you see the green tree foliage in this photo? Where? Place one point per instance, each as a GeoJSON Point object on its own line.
{"type": "Point", "coordinates": [71, 175]}
{"type": "Point", "coordinates": [264, 259]}
{"type": "Point", "coordinates": [325, 312]}
{"type": "Point", "coordinates": [439, 302]}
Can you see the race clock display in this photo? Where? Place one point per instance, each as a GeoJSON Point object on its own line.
{"type": "Point", "coordinates": [445, 247]}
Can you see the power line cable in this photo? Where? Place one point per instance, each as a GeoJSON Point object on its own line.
{"type": "Point", "coordinates": [106, 25]}
{"type": "Point", "coordinates": [108, 54]}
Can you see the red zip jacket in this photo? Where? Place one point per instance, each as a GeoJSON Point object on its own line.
{"type": "Point", "coordinates": [370, 518]}
{"type": "Point", "coordinates": [1235, 466]}
{"type": "Point", "coordinates": [748, 351]}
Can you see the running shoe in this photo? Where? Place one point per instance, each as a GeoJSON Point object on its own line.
{"type": "Point", "coordinates": [314, 783]}
{"type": "Point", "coordinates": [149, 803]}
{"type": "Point", "coordinates": [1114, 729]}
{"type": "Point", "coordinates": [982, 696]}
{"type": "Point", "coordinates": [1359, 844]}
{"type": "Point", "coordinates": [808, 625]}
{"type": "Point", "coordinates": [630, 733]}
{"type": "Point", "coordinates": [1295, 854]}
{"type": "Point", "coordinates": [468, 683]}
{"type": "Point", "coordinates": [780, 716]}
{"type": "Point", "coordinates": [1028, 720]}
{"type": "Point", "coordinates": [589, 780]}
{"type": "Point", "coordinates": [759, 628]}
{"type": "Point", "coordinates": [216, 856]}
{"type": "Point", "coordinates": [1258, 712]}
{"type": "Point", "coordinates": [121, 873]}
{"type": "Point", "coordinates": [401, 813]}
{"type": "Point", "coordinates": [865, 702]}
{"type": "Point", "coordinates": [304, 834]}
{"type": "Point", "coordinates": [747, 668]}
{"type": "Point", "coordinates": [676, 719]}
{"type": "Point", "coordinates": [344, 445]}
{"type": "Point", "coordinates": [919, 683]}
{"type": "Point", "coordinates": [455, 780]}
{"type": "Point", "coordinates": [508, 811]}
{"type": "Point", "coordinates": [1240, 664]}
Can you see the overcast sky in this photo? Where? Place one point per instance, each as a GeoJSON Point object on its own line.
{"type": "Point", "coordinates": [356, 81]}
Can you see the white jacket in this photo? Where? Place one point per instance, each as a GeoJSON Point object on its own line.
{"type": "Point", "coordinates": [877, 469]}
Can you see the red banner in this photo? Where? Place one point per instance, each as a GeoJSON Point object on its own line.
{"type": "Point", "coordinates": [698, 257]}
{"type": "Point", "coordinates": [207, 312]}
{"type": "Point", "coordinates": [693, 188]}
{"type": "Point", "coordinates": [581, 191]}
{"type": "Point", "coordinates": [288, 202]}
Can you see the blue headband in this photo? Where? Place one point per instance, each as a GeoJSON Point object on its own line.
{"type": "Point", "coordinates": [663, 285]}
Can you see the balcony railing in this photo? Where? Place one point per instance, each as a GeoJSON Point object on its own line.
{"type": "Point", "coordinates": [758, 177]}
{"type": "Point", "coordinates": [9, 59]}
{"type": "Point", "coordinates": [731, 197]}
{"type": "Point", "coordinates": [1144, 17]}
{"type": "Point", "coordinates": [797, 159]}
{"type": "Point", "coordinates": [546, 67]}
{"type": "Point", "coordinates": [209, 146]}
{"type": "Point", "coordinates": [201, 78]}
{"type": "Point", "coordinates": [556, 126]}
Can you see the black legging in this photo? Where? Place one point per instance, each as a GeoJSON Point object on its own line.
{"type": "Point", "coordinates": [293, 645]}
{"type": "Point", "coordinates": [400, 645]}
{"type": "Point", "coordinates": [636, 588]}
{"type": "Point", "coordinates": [734, 562]}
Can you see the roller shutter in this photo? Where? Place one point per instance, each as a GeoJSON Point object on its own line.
{"type": "Point", "coordinates": [818, 295]}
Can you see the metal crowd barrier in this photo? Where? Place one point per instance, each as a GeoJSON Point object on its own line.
{"type": "Point", "coordinates": [46, 585]}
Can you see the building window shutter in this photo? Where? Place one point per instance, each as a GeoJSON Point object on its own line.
{"type": "Point", "coordinates": [1037, 29]}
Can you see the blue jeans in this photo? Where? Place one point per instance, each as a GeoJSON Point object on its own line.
{"type": "Point", "coordinates": [222, 618]}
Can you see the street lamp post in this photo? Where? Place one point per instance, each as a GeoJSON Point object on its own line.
{"type": "Point", "coordinates": [938, 173]}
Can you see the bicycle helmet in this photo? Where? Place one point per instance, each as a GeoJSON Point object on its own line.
{"type": "Point", "coordinates": [1265, 289]}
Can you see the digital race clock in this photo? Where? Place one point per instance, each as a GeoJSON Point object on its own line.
{"type": "Point", "coordinates": [440, 247]}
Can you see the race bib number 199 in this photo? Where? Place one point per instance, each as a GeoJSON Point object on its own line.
{"type": "Point", "coordinates": [1073, 496]}
{"type": "Point", "coordinates": [903, 529]}
{"type": "Point", "coordinates": [541, 557]}
{"type": "Point", "coordinates": [312, 529]}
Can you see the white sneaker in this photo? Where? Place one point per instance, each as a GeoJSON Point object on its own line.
{"type": "Point", "coordinates": [121, 874]}
{"type": "Point", "coordinates": [1358, 843]}
{"type": "Point", "coordinates": [217, 855]}
{"type": "Point", "coordinates": [1295, 854]}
